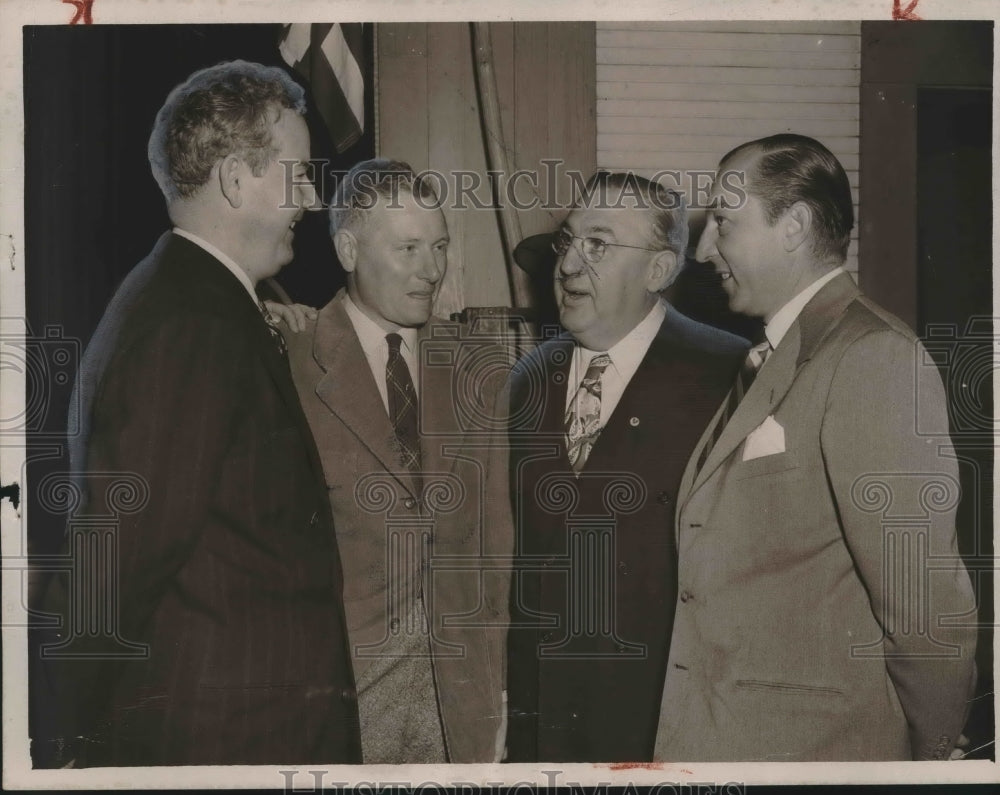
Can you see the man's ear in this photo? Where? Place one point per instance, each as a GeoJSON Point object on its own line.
{"type": "Point", "coordinates": [796, 226]}
{"type": "Point", "coordinates": [663, 269]}
{"type": "Point", "coordinates": [229, 179]}
{"type": "Point", "coordinates": [346, 245]}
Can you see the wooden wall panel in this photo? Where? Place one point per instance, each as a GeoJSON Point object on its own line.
{"type": "Point", "coordinates": [679, 95]}
{"type": "Point", "coordinates": [429, 115]}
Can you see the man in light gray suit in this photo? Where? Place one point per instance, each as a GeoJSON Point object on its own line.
{"type": "Point", "coordinates": [418, 491]}
{"type": "Point", "coordinates": [823, 612]}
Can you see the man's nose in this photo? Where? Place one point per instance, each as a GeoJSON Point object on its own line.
{"type": "Point", "coordinates": [706, 243]}
{"type": "Point", "coordinates": [572, 260]}
{"type": "Point", "coordinates": [308, 198]}
{"type": "Point", "coordinates": [430, 269]}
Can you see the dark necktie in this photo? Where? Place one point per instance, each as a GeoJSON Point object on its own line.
{"type": "Point", "coordinates": [272, 327]}
{"type": "Point", "coordinates": [402, 405]}
{"type": "Point", "coordinates": [756, 357]}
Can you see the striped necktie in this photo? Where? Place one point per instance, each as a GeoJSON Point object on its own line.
{"type": "Point", "coordinates": [583, 418]}
{"type": "Point", "coordinates": [756, 357]}
{"type": "Point", "coordinates": [402, 404]}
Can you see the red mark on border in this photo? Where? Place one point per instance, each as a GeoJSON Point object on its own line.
{"type": "Point", "coordinates": [897, 12]}
{"type": "Point", "coordinates": [83, 11]}
{"type": "Point", "coordinates": [636, 765]}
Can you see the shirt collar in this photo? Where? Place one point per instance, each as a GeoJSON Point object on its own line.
{"type": "Point", "coordinates": [371, 334]}
{"type": "Point", "coordinates": [776, 330]}
{"type": "Point", "coordinates": [627, 354]}
{"type": "Point", "coordinates": [225, 259]}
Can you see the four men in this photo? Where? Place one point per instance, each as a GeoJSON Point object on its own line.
{"type": "Point", "coordinates": [695, 524]}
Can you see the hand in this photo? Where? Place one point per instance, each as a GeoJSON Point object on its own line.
{"type": "Point", "coordinates": [961, 747]}
{"type": "Point", "coordinates": [294, 315]}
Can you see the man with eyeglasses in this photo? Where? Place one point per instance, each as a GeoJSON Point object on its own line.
{"type": "Point", "coordinates": [602, 422]}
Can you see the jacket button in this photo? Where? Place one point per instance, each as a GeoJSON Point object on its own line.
{"type": "Point", "coordinates": [314, 519]}
{"type": "Point", "coordinates": [622, 567]}
{"type": "Point", "coordinates": [663, 498]}
{"type": "Point", "coordinates": [409, 503]}
{"type": "Point", "coordinates": [546, 637]}
{"type": "Point", "coordinates": [349, 694]}
{"type": "Point", "coordinates": [394, 625]}
{"type": "Point", "coordinates": [685, 596]}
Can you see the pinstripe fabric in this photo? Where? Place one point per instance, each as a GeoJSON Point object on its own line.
{"type": "Point", "coordinates": [230, 571]}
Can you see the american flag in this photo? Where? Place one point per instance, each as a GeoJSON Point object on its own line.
{"type": "Point", "coordinates": [329, 57]}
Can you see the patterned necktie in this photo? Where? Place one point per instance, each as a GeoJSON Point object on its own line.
{"type": "Point", "coordinates": [583, 418]}
{"type": "Point", "coordinates": [756, 357]}
{"type": "Point", "coordinates": [402, 405]}
{"type": "Point", "coordinates": [272, 327]}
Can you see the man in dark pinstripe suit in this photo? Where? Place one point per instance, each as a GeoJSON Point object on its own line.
{"type": "Point", "coordinates": [228, 577]}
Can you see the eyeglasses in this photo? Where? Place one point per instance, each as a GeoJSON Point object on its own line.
{"type": "Point", "coordinates": [592, 248]}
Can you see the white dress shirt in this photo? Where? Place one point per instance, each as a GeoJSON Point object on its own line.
{"type": "Point", "coordinates": [376, 349]}
{"type": "Point", "coordinates": [226, 260]}
{"type": "Point", "coordinates": [776, 330]}
{"type": "Point", "coordinates": [626, 355]}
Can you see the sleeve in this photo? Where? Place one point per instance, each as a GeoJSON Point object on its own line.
{"type": "Point", "coordinates": [167, 414]}
{"type": "Point", "coordinates": [897, 492]}
{"type": "Point", "coordinates": [163, 422]}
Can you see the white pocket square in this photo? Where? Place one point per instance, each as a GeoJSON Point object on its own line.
{"type": "Point", "coordinates": [768, 438]}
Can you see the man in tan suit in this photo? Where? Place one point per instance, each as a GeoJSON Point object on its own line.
{"type": "Point", "coordinates": [823, 610]}
{"type": "Point", "coordinates": [418, 489]}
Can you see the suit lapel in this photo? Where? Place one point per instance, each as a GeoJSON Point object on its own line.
{"type": "Point", "coordinates": [637, 401]}
{"type": "Point", "coordinates": [436, 400]}
{"type": "Point", "coordinates": [558, 358]}
{"type": "Point", "coordinates": [348, 388]}
{"type": "Point", "coordinates": [191, 265]}
{"type": "Point", "coordinates": [797, 347]}
{"type": "Point", "coordinates": [765, 393]}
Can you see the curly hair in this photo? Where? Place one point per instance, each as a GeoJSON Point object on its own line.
{"type": "Point", "coordinates": [226, 109]}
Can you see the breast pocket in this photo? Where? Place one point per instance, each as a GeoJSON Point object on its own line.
{"type": "Point", "coordinates": [786, 462]}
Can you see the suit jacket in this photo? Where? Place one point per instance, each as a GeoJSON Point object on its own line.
{"type": "Point", "coordinates": [464, 508]}
{"type": "Point", "coordinates": [595, 566]}
{"type": "Point", "coordinates": [817, 582]}
{"type": "Point", "coordinates": [229, 641]}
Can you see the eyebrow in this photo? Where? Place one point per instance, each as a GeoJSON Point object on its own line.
{"type": "Point", "coordinates": [442, 239]}
{"type": "Point", "coordinates": [591, 230]}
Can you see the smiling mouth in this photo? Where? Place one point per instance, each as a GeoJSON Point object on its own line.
{"type": "Point", "coordinates": [569, 292]}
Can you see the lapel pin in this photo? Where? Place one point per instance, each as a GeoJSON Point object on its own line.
{"type": "Point", "coordinates": [633, 421]}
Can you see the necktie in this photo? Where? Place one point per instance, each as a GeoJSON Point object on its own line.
{"type": "Point", "coordinates": [272, 327]}
{"type": "Point", "coordinates": [756, 357]}
{"type": "Point", "coordinates": [583, 418]}
{"type": "Point", "coordinates": [402, 405]}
